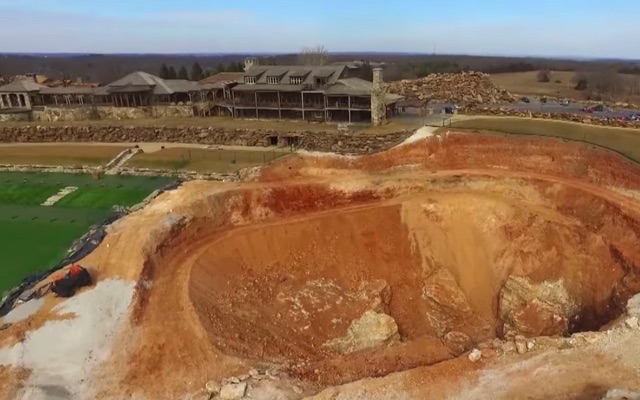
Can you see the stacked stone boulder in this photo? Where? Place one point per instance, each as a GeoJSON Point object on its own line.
{"type": "Point", "coordinates": [460, 88]}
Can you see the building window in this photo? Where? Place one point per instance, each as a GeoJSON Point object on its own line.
{"type": "Point", "coordinates": [295, 80]}
{"type": "Point", "coordinates": [250, 79]}
{"type": "Point", "coordinates": [321, 81]}
{"type": "Point", "coordinates": [273, 80]}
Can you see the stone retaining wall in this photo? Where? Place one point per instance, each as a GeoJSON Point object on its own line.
{"type": "Point", "coordinates": [318, 141]}
{"type": "Point", "coordinates": [183, 175]}
{"type": "Point", "coordinates": [89, 113]}
{"type": "Point", "coordinates": [15, 117]}
{"type": "Point", "coordinates": [585, 119]}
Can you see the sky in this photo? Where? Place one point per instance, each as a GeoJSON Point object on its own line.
{"type": "Point", "coordinates": [585, 28]}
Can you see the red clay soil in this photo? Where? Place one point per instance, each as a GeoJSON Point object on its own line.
{"type": "Point", "coordinates": [265, 274]}
{"type": "Point", "coordinates": [11, 379]}
{"type": "Point", "coordinates": [277, 292]}
{"type": "Point", "coordinates": [467, 151]}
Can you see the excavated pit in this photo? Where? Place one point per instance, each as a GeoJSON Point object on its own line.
{"type": "Point", "coordinates": [366, 290]}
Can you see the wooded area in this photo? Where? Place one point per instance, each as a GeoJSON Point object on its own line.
{"type": "Point", "coordinates": [106, 68]}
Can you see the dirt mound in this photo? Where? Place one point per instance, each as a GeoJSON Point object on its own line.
{"type": "Point", "coordinates": [427, 276]}
{"type": "Point", "coordinates": [461, 88]}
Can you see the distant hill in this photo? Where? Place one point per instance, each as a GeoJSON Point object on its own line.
{"type": "Point", "coordinates": [105, 68]}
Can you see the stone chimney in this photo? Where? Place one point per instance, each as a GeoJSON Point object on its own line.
{"type": "Point", "coordinates": [249, 62]}
{"type": "Point", "coordinates": [378, 104]}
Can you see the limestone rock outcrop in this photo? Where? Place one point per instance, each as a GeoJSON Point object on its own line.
{"type": "Point", "coordinates": [448, 309]}
{"type": "Point", "coordinates": [535, 309]}
{"type": "Point", "coordinates": [369, 331]}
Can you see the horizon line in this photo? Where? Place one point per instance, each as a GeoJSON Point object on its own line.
{"type": "Point", "coordinates": [359, 52]}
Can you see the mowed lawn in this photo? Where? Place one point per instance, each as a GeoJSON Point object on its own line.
{"type": "Point", "coordinates": [206, 160]}
{"type": "Point", "coordinates": [34, 238]}
{"type": "Point", "coordinates": [58, 154]}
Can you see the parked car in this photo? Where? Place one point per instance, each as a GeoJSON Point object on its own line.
{"type": "Point", "coordinates": [598, 107]}
{"type": "Point", "coordinates": [587, 109]}
{"type": "Point", "coordinates": [543, 100]}
{"type": "Point", "coordinates": [564, 103]}
{"type": "Point", "coordinates": [525, 100]}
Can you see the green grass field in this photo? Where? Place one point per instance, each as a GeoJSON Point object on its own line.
{"type": "Point", "coordinates": [34, 238]}
{"type": "Point", "coordinates": [625, 141]}
{"type": "Point", "coordinates": [26, 194]}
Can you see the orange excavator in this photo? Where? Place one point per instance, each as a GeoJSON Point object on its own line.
{"type": "Point", "coordinates": [66, 283]}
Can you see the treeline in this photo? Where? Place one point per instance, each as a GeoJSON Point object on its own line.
{"type": "Point", "coordinates": [606, 83]}
{"type": "Point", "coordinates": [197, 72]}
{"type": "Point", "coordinates": [107, 68]}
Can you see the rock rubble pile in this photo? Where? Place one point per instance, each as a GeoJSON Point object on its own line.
{"type": "Point", "coordinates": [261, 385]}
{"type": "Point", "coordinates": [460, 88]}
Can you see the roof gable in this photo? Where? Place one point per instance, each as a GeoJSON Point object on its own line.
{"type": "Point", "coordinates": [329, 72]}
{"type": "Point", "coordinates": [224, 77]}
{"type": "Point", "coordinates": [144, 81]}
{"type": "Point", "coordinates": [21, 86]}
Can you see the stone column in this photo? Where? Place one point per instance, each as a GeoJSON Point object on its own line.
{"type": "Point", "coordinates": [378, 105]}
{"type": "Point", "coordinates": [3, 104]}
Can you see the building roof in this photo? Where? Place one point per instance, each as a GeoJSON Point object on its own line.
{"type": "Point", "coordinates": [21, 86]}
{"type": "Point", "coordinates": [67, 90]}
{"type": "Point", "coordinates": [182, 85]}
{"type": "Point", "coordinates": [223, 77]}
{"type": "Point", "coordinates": [140, 80]}
{"type": "Point", "coordinates": [357, 87]}
{"type": "Point", "coordinates": [351, 86]}
{"type": "Point", "coordinates": [331, 72]}
{"type": "Point", "coordinates": [143, 82]}
{"type": "Point", "coordinates": [264, 87]}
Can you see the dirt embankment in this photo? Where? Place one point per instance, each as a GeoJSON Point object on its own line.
{"type": "Point", "coordinates": [331, 269]}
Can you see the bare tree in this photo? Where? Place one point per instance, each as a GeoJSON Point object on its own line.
{"type": "Point", "coordinates": [634, 85]}
{"type": "Point", "coordinates": [606, 82]}
{"type": "Point", "coordinates": [581, 80]}
{"type": "Point", "coordinates": [317, 55]}
{"type": "Point", "coordinates": [544, 75]}
{"type": "Point", "coordinates": [603, 82]}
